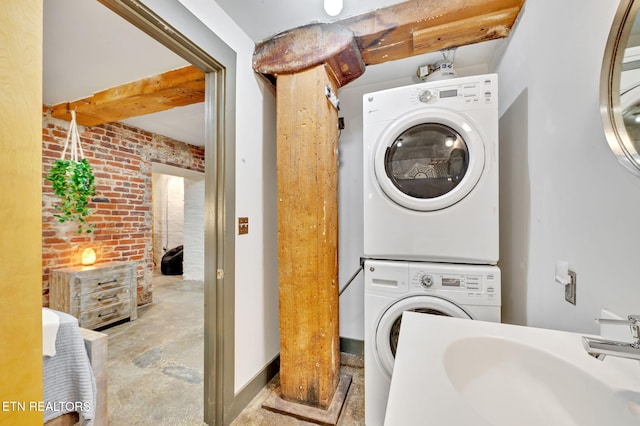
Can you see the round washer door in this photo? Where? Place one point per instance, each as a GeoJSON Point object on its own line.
{"type": "Point", "coordinates": [429, 159]}
{"type": "Point", "coordinates": [388, 327]}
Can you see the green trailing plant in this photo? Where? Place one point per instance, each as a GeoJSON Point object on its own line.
{"type": "Point", "coordinates": [73, 182]}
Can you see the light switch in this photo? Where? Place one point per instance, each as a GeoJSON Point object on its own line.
{"type": "Point", "coordinates": [562, 272]}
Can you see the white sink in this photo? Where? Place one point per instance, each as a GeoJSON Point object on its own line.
{"type": "Point", "coordinates": [511, 383]}
{"type": "Point", "coordinates": [460, 372]}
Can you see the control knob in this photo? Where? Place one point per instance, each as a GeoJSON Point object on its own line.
{"type": "Point", "coordinates": [426, 96]}
{"type": "Point", "coordinates": [426, 281]}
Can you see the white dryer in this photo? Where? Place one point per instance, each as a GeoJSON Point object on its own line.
{"type": "Point", "coordinates": [431, 171]}
{"type": "Point", "coordinates": [392, 287]}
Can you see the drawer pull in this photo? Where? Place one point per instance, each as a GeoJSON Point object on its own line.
{"type": "Point", "coordinates": [115, 280]}
{"type": "Point", "coordinates": [100, 299]}
{"type": "Point", "coordinates": [115, 311]}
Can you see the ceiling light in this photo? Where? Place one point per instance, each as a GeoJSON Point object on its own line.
{"type": "Point", "coordinates": [333, 7]}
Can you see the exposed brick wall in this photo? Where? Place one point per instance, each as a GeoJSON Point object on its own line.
{"type": "Point", "coordinates": [121, 158]}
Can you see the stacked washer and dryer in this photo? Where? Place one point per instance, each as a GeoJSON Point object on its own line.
{"type": "Point", "coordinates": [430, 213]}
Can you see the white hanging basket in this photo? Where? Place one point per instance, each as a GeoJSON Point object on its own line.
{"type": "Point", "coordinates": [73, 136]}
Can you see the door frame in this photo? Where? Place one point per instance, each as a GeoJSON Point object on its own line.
{"type": "Point", "coordinates": [171, 24]}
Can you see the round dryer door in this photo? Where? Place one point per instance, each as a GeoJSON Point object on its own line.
{"type": "Point", "coordinates": [388, 327]}
{"type": "Point", "coordinates": [429, 159]}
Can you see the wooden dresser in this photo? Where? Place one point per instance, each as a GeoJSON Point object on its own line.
{"type": "Point", "coordinates": [97, 295]}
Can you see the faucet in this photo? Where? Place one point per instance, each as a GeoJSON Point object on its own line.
{"type": "Point", "coordinates": [599, 348]}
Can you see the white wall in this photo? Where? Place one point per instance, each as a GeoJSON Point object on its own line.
{"type": "Point", "coordinates": [257, 338]}
{"type": "Point", "coordinates": [174, 210]}
{"type": "Point", "coordinates": [515, 210]}
{"type": "Point", "coordinates": [193, 256]}
{"type": "Point", "coordinates": [168, 214]}
{"type": "Point", "coordinates": [583, 204]}
{"type": "Point", "coordinates": [158, 198]}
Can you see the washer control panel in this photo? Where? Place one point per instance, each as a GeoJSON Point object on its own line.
{"type": "Point", "coordinates": [479, 282]}
{"type": "Point", "coordinates": [471, 284]}
{"type": "Point", "coordinates": [447, 281]}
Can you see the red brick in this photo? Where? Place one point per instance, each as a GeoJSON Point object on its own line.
{"type": "Point", "coordinates": [124, 177]}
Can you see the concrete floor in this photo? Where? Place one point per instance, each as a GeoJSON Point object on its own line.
{"type": "Point", "coordinates": [155, 367]}
{"type": "Point", "coordinates": [352, 412]}
{"type": "Point", "coordinates": [155, 363]}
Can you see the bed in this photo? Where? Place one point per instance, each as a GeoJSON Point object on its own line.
{"type": "Point", "coordinates": [74, 367]}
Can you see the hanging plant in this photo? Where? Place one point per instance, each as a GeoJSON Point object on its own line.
{"type": "Point", "coordinates": [73, 182]}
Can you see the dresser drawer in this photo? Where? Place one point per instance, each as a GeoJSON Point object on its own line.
{"type": "Point", "coordinates": [100, 299]}
{"type": "Point", "coordinates": [90, 283]}
{"type": "Point", "coordinates": [97, 295]}
{"type": "Point", "coordinates": [105, 315]}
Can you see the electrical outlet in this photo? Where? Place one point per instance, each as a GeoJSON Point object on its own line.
{"type": "Point", "coordinates": [570, 289]}
{"type": "Point", "coordinates": [243, 225]}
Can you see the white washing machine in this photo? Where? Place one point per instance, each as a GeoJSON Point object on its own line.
{"type": "Point", "coordinates": [431, 171]}
{"type": "Point", "coordinates": [392, 287]}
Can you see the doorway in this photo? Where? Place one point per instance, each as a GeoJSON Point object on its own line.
{"type": "Point", "coordinates": [176, 28]}
{"type": "Point", "coordinates": [178, 221]}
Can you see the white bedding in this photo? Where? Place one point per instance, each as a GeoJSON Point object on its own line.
{"type": "Point", "coordinates": [69, 383]}
{"type": "Point", "coordinates": [50, 325]}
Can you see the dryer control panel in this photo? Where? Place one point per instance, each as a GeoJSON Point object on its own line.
{"type": "Point", "coordinates": [475, 92]}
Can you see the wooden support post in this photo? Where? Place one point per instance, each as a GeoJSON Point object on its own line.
{"type": "Point", "coordinates": [319, 58]}
{"type": "Point", "coordinates": [307, 139]}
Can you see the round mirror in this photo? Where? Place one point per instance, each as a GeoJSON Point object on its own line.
{"type": "Point", "coordinates": [620, 86]}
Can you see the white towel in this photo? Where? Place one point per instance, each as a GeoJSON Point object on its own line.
{"type": "Point", "coordinates": [50, 324]}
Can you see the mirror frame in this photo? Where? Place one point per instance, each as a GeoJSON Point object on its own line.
{"type": "Point", "coordinates": [610, 109]}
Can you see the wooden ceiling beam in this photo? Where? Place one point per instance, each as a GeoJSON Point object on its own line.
{"type": "Point", "coordinates": [406, 29]}
{"type": "Point", "coordinates": [390, 33]}
{"type": "Point", "coordinates": [180, 87]}
{"type": "Point", "coordinates": [309, 46]}
{"type": "Point", "coordinates": [467, 31]}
